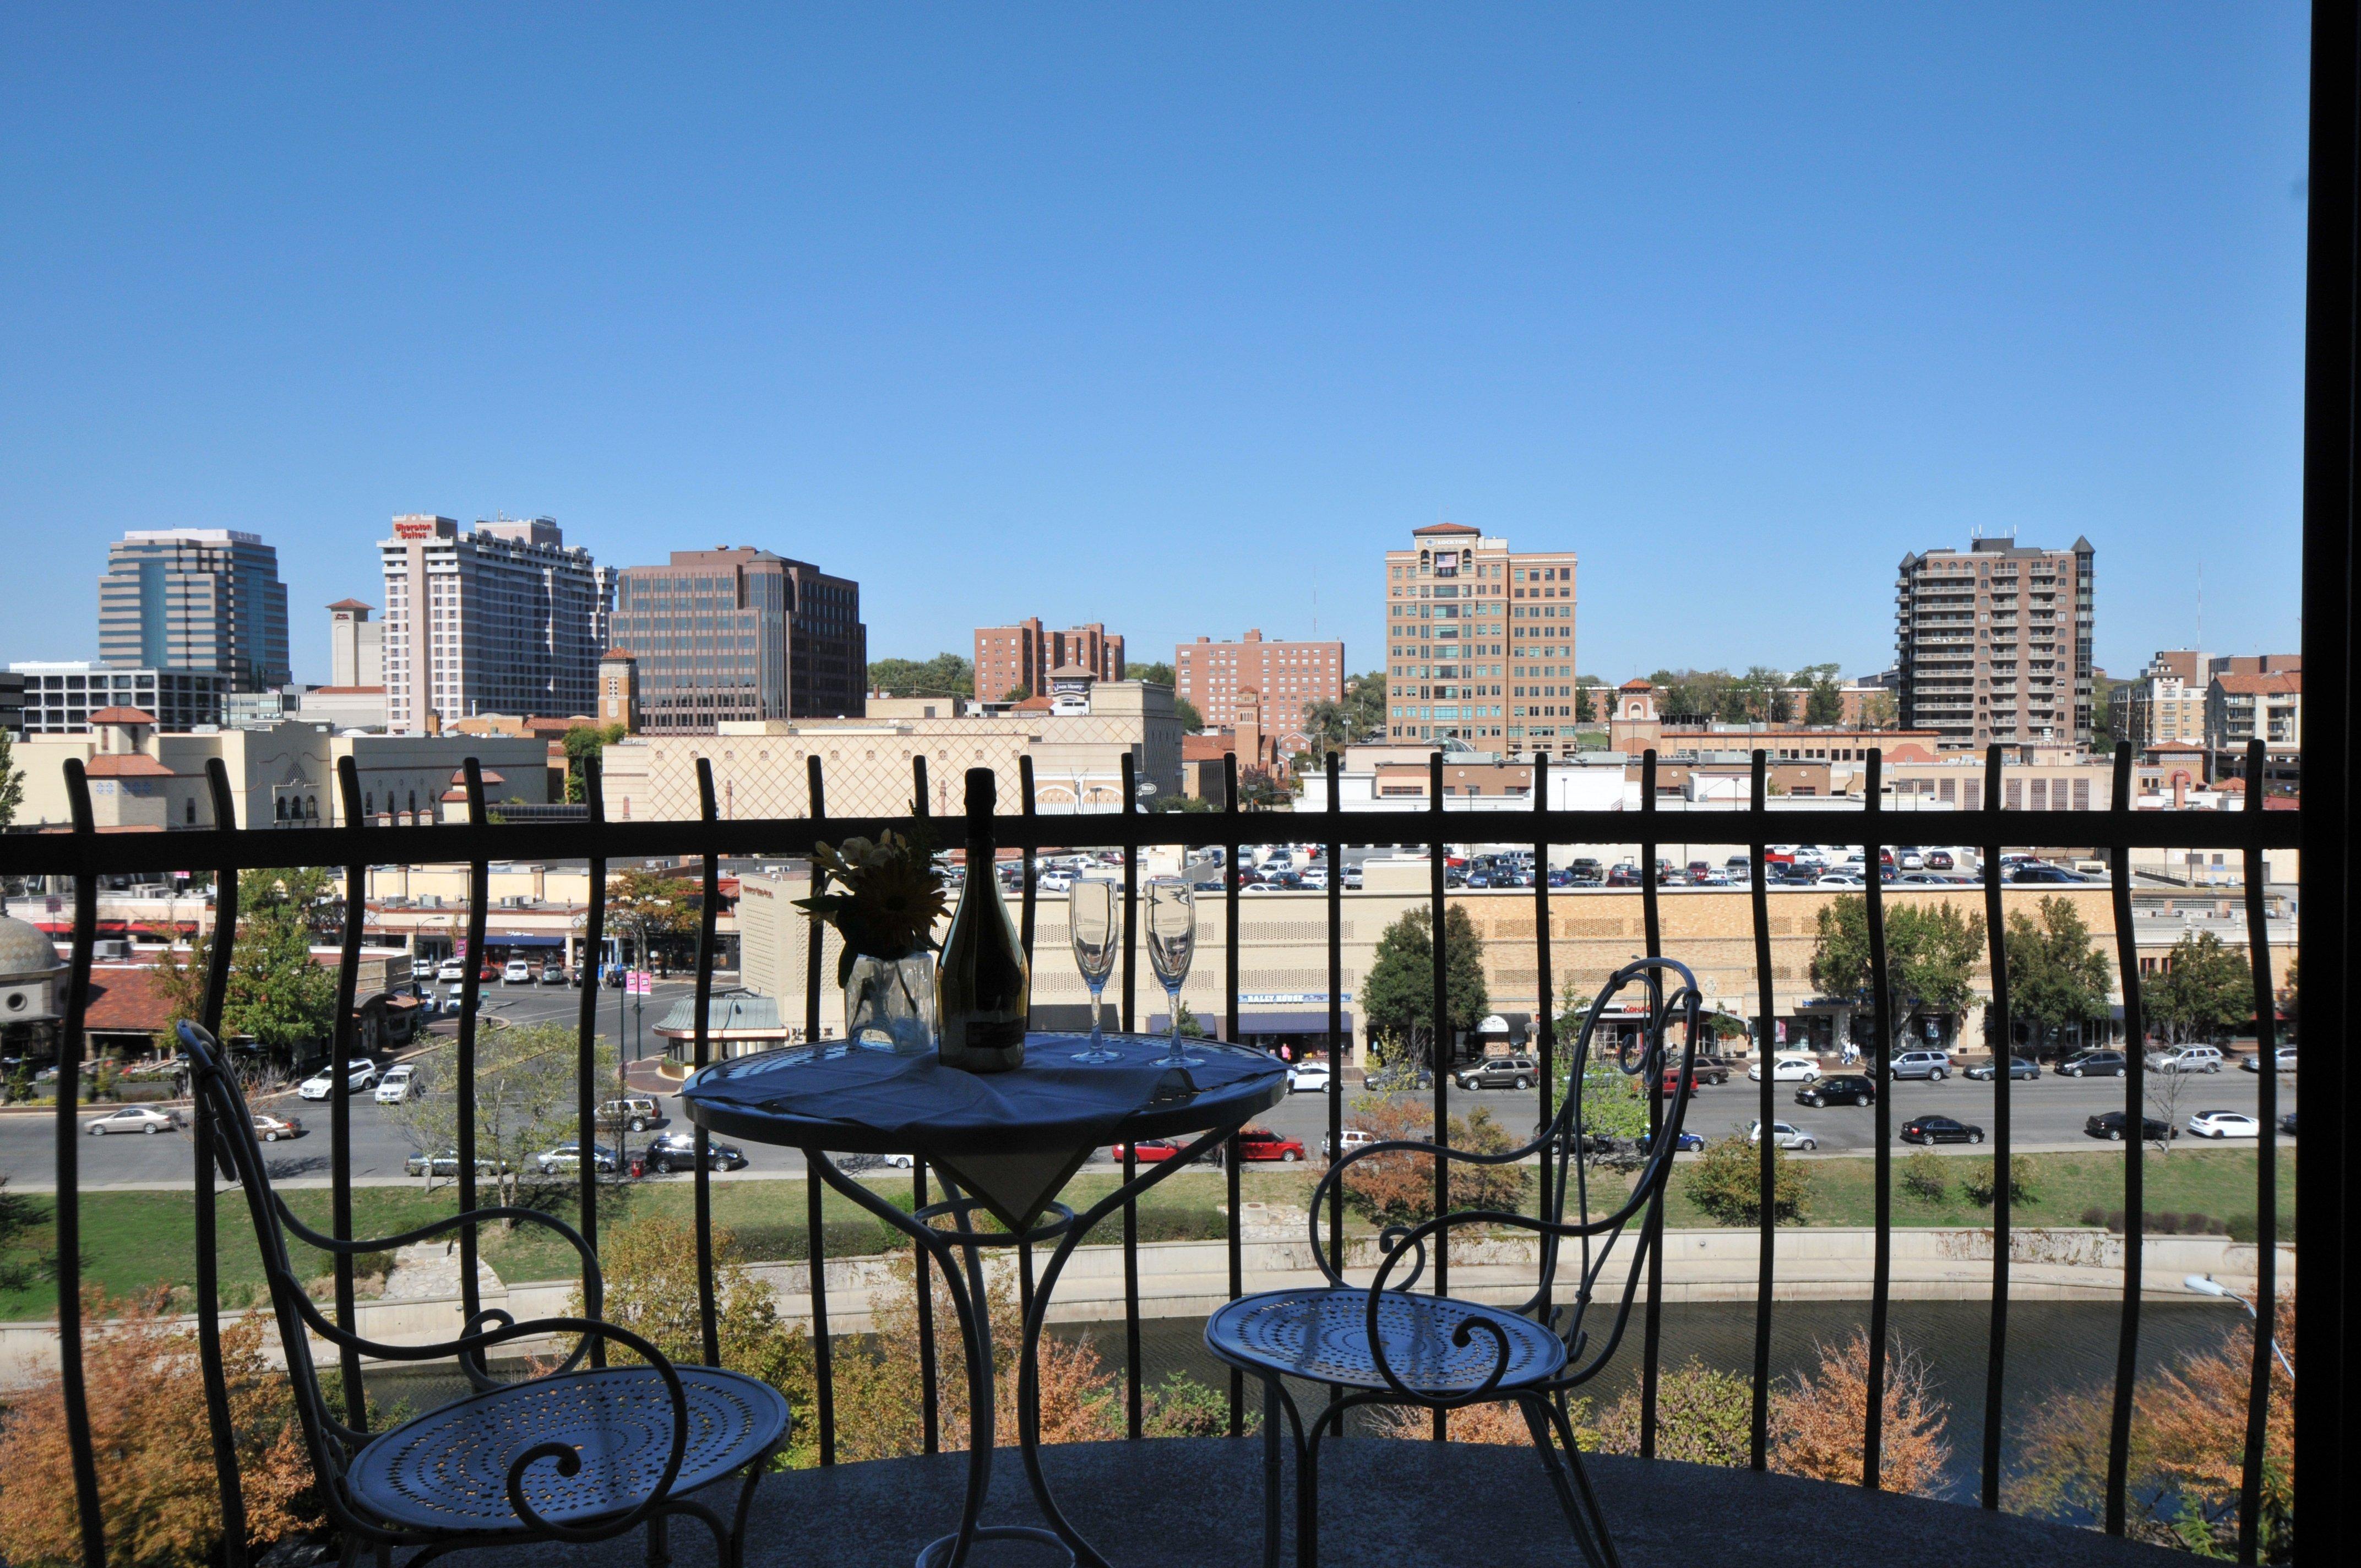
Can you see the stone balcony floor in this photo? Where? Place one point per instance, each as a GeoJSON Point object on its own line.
{"type": "Point", "coordinates": [1199, 1501]}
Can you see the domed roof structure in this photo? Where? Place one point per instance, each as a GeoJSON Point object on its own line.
{"type": "Point", "coordinates": [25, 950]}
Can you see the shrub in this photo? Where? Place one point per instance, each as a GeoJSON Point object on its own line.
{"type": "Point", "coordinates": [1727, 1184]}
{"type": "Point", "coordinates": [1182, 1406]}
{"type": "Point", "coordinates": [1704, 1416]}
{"type": "Point", "coordinates": [158, 1495]}
{"type": "Point", "coordinates": [1923, 1176]}
{"type": "Point", "coordinates": [2249, 1227]}
{"type": "Point", "coordinates": [1398, 1188]}
{"type": "Point", "coordinates": [1817, 1422]}
{"type": "Point", "coordinates": [1982, 1181]}
{"type": "Point", "coordinates": [1202, 1223]}
{"type": "Point", "coordinates": [2094, 1215]}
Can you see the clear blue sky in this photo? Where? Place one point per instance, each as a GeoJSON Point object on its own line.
{"type": "Point", "coordinates": [1162, 318]}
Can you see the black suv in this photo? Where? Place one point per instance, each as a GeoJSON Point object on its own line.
{"type": "Point", "coordinates": [2092, 1064]}
{"type": "Point", "coordinates": [1845, 1089]}
{"type": "Point", "coordinates": [1498, 1072]}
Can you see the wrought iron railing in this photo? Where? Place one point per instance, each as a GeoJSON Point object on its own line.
{"type": "Point", "coordinates": [84, 856]}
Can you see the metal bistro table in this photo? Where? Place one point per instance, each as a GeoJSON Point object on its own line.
{"type": "Point", "coordinates": [1005, 1142]}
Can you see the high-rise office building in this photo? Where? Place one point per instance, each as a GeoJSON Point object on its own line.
{"type": "Point", "coordinates": [1480, 643]}
{"type": "Point", "coordinates": [1992, 643]}
{"type": "Point", "coordinates": [500, 617]}
{"type": "Point", "coordinates": [1023, 654]}
{"type": "Point", "coordinates": [355, 646]}
{"type": "Point", "coordinates": [60, 697]}
{"type": "Point", "coordinates": [195, 598]}
{"type": "Point", "coordinates": [740, 634]}
{"type": "Point", "coordinates": [1287, 678]}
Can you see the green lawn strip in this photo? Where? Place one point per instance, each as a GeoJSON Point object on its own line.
{"type": "Point", "coordinates": [136, 1241]}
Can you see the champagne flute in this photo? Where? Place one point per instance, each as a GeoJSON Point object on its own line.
{"type": "Point", "coordinates": [1095, 920]}
{"type": "Point", "coordinates": [1171, 927]}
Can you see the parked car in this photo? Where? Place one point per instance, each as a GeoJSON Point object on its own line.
{"type": "Point", "coordinates": [2225, 1124]}
{"type": "Point", "coordinates": [1843, 1089]}
{"type": "Point", "coordinates": [1939, 860]}
{"type": "Point", "coordinates": [446, 1164]}
{"type": "Point", "coordinates": [360, 1073]}
{"type": "Point", "coordinates": [2284, 1058]}
{"type": "Point", "coordinates": [637, 1112]}
{"type": "Point", "coordinates": [553, 974]}
{"type": "Point", "coordinates": [2034, 871]}
{"type": "Point", "coordinates": [2111, 1126]}
{"type": "Point", "coordinates": [1352, 876]}
{"type": "Point", "coordinates": [1939, 1130]}
{"type": "Point", "coordinates": [2018, 1068]}
{"type": "Point", "coordinates": [135, 1119]}
{"type": "Point", "coordinates": [1585, 872]}
{"type": "Point", "coordinates": [1787, 1068]}
{"type": "Point", "coordinates": [1148, 1150]}
{"type": "Point", "coordinates": [1261, 1142]}
{"type": "Point", "coordinates": [1399, 1081]}
{"type": "Point", "coordinates": [2287, 1124]}
{"type": "Point", "coordinates": [2186, 1059]}
{"type": "Point", "coordinates": [1933, 1066]}
{"type": "Point", "coordinates": [1513, 1071]}
{"type": "Point", "coordinates": [1688, 1142]}
{"type": "Point", "coordinates": [451, 972]}
{"type": "Point", "coordinates": [1355, 1138]}
{"type": "Point", "coordinates": [270, 1129]}
{"type": "Point", "coordinates": [517, 973]}
{"type": "Point", "coordinates": [1706, 1069]}
{"type": "Point", "coordinates": [1787, 1135]}
{"type": "Point", "coordinates": [567, 1156]}
{"type": "Point", "coordinates": [400, 1082]}
{"type": "Point", "coordinates": [668, 1152]}
{"type": "Point", "coordinates": [1307, 1076]}
{"type": "Point", "coordinates": [2094, 1064]}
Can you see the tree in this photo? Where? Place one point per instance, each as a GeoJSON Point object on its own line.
{"type": "Point", "coordinates": [584, 740]}
{"type": "Point", "coordinates": [1823, 699]}
{"type": "Point", "coordinates": [1017, 693]}
{"type": "Point", "coordinates": [1878, 711]}
{"type": "Point", "coordinates": [1364, 701]}
{"type": "Point", "coordinates": [12, 780]}
{"type": "Point", "coordinates": [1259, 791]}
{"type": "Point", "coordinates": [1186, 712]}
{"type": "Point", "coordinates": [945, 675]}
{"type": "Point", "coordinates": [1929, 954]}
{"type": "Point", "coordinates": [1727, 1184]}
{"type": "Point", "coordinates": [524, 1094]}
{"type": "Point", "coordinates": [2206, 990]}
{"type": "Point", "coordinates": [1398, 991]}
{"type": "Point", "coordinates": [1158, 674]}
{"type": "Point", "coordinates": [1704, 1416]}
{"type": "Point", "coordinates": [1188, 1024]}
{"type": "Point", "coordinates": [1329, 726]}
{"type": "Point", "coordinates": [2057, 975]}
{"type": "Point", "coordinates": [277, 994]}
{"type": "Point", "coordinates": [1583, 711]}
{"type": "Point", "coordinates": [1817, 1422]}
{"type": "Point", "coordinates": [651, 908]}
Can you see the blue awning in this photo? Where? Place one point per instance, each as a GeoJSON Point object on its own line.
{"type": "Point", "coordinates": [522, 939]}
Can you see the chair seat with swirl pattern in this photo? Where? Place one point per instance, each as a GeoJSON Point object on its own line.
{"type": "Point", "coordinates": [1322, 1336]}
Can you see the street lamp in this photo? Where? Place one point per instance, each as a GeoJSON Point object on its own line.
{"type": "Point", "coordinates": [2206, 1285]}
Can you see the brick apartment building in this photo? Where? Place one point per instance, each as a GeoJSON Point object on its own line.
{"type": "Point", "coordinates": [1283, 678]}
{"type": "Point", "coordinates": [1023, 654]}
{"type": "Point", "coordinates": [1992, 642]}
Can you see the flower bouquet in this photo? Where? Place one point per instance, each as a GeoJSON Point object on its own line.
{"type": "Point", "coordinates": [890, 895]}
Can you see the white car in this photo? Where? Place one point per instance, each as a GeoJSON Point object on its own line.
{"type": "Point", "coordinates": [1787, 1068]}
{"type": "Point", "coordinates": [135, 1119]}
{"type": "Point", "coordinates": [451, 972]}
{"type": "Point", "coordinates": [360, 1074]}
{"type": "Point", "coordinates": [2186, 1059]}
{"type": "Point", "coordinates": [400, 1082]}
{"type": "Point", "coordinates": [2225, 1124]}
{"type": "Point", "coordinates": [1308, 1076]}
{"type": "Point", "coordinates": [1787, 1135]}
{"type": "Point", "coordinates": [517, 973]}
{"type": "Point", "coordinates": [1054, 881]}
{"type": "Point", "coordinates": [2252, 1060]}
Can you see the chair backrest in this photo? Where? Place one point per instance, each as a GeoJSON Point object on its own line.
{"type": "Point", "coordinates": [1640, 1055]}
{"type": "Point", "coordinates": [238, 1157]}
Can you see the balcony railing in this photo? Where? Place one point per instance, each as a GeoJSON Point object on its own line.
{"type": "Point", "coordinates": [84, 856]}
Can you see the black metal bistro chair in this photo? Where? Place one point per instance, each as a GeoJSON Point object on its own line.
{"type": "Point", "coordinates": [1384, 1346]}
{"type": "Point", "coordinates": [581, 1453]}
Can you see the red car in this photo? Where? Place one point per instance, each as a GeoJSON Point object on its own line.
{"type": "Point", "coordinates": [1261, 1142]}
{"type": "Point", "coordinates": [1150, 1150]}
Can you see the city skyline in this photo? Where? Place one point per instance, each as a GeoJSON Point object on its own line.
{"type": "Point", "coordinates": [1792, 310]}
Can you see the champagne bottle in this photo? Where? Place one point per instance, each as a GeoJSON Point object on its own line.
{"type": "Point", "coordinates": [984, 989]}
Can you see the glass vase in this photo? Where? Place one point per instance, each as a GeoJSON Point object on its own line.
{"type": "Point", "coordinates": [889, 1005]}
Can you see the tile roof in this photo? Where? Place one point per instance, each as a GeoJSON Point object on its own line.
{"type": "Point", "coordinates": [121, 716]}
{"type": "Point", "coordinates": [128, 766]}
{"type": "Point", "coordinates": [125, 999]}
{"type": "Point", "coordinates": [2278, 681]}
